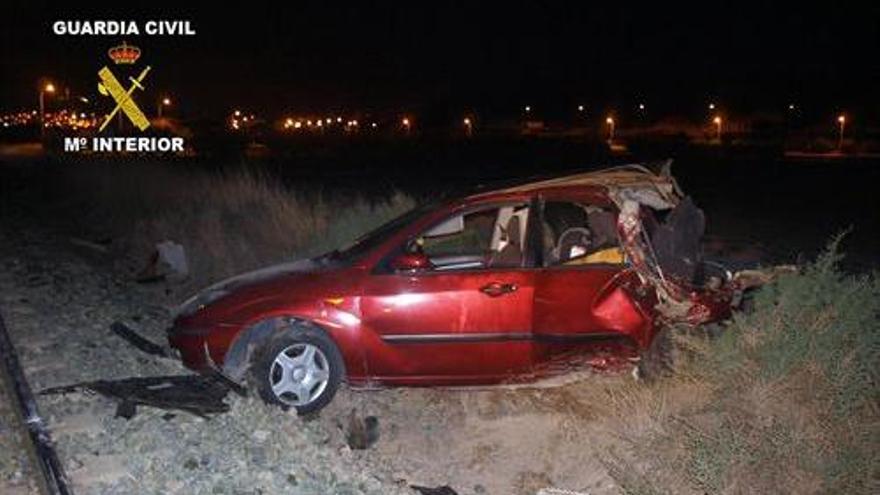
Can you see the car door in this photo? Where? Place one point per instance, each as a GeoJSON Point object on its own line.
{"type": "Point", "coordinates": [582, 294]}
{"type": "Point", "coordinates": [468, 317]}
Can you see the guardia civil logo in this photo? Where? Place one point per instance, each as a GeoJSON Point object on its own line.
{"type": "Point", "coordinates": [120, 86]}
{"type": "Point", "coordinates": [123, 54]}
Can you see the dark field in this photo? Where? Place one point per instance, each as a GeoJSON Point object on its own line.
{"type": "Point", "coordinates": [790, 207]}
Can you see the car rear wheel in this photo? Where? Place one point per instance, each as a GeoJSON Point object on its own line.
{"type": "Point", "coordinates": [300, 368]}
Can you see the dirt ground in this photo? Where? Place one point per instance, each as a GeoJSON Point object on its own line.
{"type": "Point", "coordinates": [59, 300]}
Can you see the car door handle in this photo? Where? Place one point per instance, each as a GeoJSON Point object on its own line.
{"type": "Point", "coordinates": [496, 289]}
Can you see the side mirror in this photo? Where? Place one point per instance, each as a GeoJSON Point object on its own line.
{"type": "Point", "coordinates": [411, 262]}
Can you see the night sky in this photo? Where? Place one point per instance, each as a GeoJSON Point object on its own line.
{"type": "Point", "coordinates": [492, 58]}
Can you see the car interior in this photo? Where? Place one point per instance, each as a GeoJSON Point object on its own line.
{"type": "Point", "coordinates": [576, 235]}
{"type": "Point", "coordinates": [486, 238]}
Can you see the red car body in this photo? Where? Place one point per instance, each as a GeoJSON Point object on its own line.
{"type": "Point", "coordinates": [397, 321]}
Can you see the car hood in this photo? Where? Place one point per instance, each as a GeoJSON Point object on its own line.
{"type": "Point", "coordinates": [263, 280]}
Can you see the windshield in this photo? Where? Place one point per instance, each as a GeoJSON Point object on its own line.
{"type": "Point", "coordinates": [370, 240]}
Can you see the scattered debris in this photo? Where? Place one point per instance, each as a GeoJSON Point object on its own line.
{"type": "Point", "coordinates": [201, 395]}
{"type": "Point", "coordinates": [362, 433]}
{"type": "Point", "coordinates": [168, 261]}
{"type": "Point", "coordinates": [100, 246]}
{"type": "Point", "coordinates": [440, 490]}
{"type": "Point", "coordinates": [122, 330]}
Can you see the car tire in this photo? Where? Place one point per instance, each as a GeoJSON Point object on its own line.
{"type": "Point", "coordinates": [658, 360]}
{"type": "Point", "coordinates": [300, 367]}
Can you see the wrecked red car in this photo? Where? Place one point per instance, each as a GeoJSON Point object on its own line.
{"type": "Point", "coordinates": [497, 286]}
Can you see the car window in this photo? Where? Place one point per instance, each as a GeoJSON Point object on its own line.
{"type": "Point", "coordinates": [475, 236]}
{"type": "Point", "coordinates": [575, 235]}
{"type": "Point", "coordinates": [492, 237]}
{"type": "Point", "coordinates": [370, 240]}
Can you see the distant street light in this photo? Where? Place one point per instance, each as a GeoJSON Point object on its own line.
{"type": "Point", "coordinates": [528, 109]}
{"type": "Point", "coordinates": [164, 102]}
{"type": "Point", "coordinates": [841, 119]}
{"type": "Point", "coordinates": [468, 127]}
{"type": "Point", "coordinates": [47, 88]}
{"type": "Point", "coordinates": [711, 106]}
{"type": "Point", "coordinates": [717, 121]}
{"type": "Point", "coordinates": [642, 106]}
{"type": "Point", "coordinates": [610, 122]}
{"type": "Point", "coordinates": [580, 108]}
{"type": "Point", "coordinates": [405, 122]}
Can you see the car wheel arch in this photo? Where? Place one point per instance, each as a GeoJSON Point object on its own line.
{"type": "Point", "coordinates": [237, 360]}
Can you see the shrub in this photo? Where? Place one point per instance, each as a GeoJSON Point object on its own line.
{"type": "Point", "coordinates": [792, 396]}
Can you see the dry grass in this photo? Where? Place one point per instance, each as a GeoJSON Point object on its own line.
{"type": "Point", "coordinates": [228, 222]}
{"type": "Point", "coordinates": [785, 401]}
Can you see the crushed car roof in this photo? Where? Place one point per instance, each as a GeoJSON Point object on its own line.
{"type": "Point", "coordinates": [626, 177]}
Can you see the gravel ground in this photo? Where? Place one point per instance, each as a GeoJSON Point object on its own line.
{"type": "Point", "coordinates": [17, 470]}
{"type": "Point", "coordinates": [59, 301]}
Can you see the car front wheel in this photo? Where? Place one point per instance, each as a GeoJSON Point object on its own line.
{"type": "Point", "coordinates": [300, 368]}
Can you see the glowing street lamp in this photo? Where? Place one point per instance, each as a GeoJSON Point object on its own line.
{"type": "Point", "coordinates": [580, 108]}
{"type": "Point", "coordinates": [711, 106]}
{"type": "Point", "coordinates": [528, 109]}
{"type": "Point", "coordinates": [164, 102]}
{"type": "Point", "coordinates": [46, 88]}
{"type": "Point", "coordinates": [841, 119]}
{"type": "Point", "coordinates": [405, 122]}
{"type": "Point", "coordinates": [610, 121]}
{"type": "Point", "coordinates": [468, 126]}
{"type": "Point", "coordinates": [717, 121]}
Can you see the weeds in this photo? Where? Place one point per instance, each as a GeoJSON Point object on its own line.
{"type": "Point", "coordinates": [228, 222]}
{"type": "Point", "coordinates": [791, 396]}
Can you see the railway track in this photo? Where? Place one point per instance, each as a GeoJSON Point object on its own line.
{"type": "Point", "coordinates": [45, 468]}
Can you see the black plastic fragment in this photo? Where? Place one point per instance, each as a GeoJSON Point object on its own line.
{"type": "Point", "coordinates": [201, 395]}
{"type": "Point", "coordinates": [440, 490]}
{"type": "Point", "coordinates": [122, 330]}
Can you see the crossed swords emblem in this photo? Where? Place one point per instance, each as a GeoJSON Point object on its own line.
{"type": "Point", "coordinates": [110, 86]}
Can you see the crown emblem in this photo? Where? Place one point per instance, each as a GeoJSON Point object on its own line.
{"type": "Point", "coordinates": [124, 53]}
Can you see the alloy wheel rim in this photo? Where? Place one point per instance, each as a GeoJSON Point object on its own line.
{"type": "Point", "coordinates": [299, 374]}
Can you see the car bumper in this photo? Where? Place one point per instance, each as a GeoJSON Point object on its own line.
{"type": "Point", "coordinates": [192, 346]}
